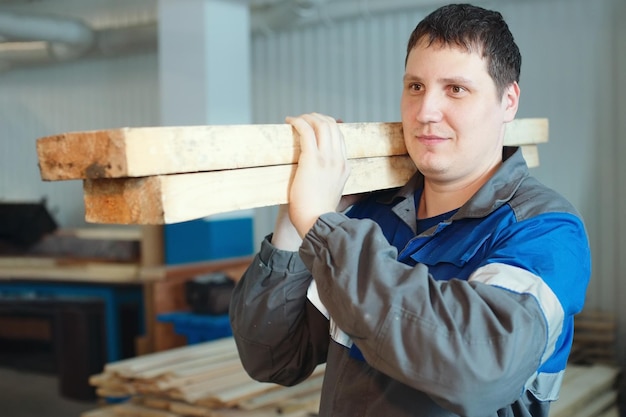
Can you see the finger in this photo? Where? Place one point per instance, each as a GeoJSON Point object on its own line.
{"type": "Point", "coordinates": [308, 136]}
{"type": "Point", "coordinates": [329, 136]}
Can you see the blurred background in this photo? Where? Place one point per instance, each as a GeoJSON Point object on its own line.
{"type": "Point", "coordinates": [74, 65]}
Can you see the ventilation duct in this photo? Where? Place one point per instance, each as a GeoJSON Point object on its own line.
{"type": "Point", "coordinates": [31, 39]}
{"type": "Point", "coordinates": [38, 38]}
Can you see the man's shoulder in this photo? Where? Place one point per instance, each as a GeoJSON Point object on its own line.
{"type": "Point", "coordinates": [533, 198]}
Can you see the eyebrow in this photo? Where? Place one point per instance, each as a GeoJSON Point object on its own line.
{"type": "Point", "coordinates": [457, 80]}
{"type": "Point", "coordinates": [447, 80]}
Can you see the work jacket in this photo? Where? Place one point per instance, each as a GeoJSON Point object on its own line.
{"type": "Point", "coordinates": [471, 317]}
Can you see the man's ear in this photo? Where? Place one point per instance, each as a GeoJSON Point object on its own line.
{"type": "Point", "coordinates": [510, 101]}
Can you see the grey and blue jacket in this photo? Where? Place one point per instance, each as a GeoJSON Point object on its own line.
{"type": "Point", "coordinates": [472, 316]}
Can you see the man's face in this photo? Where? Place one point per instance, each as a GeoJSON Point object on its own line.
{"type": "Point", "coordinates": [452, 117]}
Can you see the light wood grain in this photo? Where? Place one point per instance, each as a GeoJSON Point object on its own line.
{"type": "Point", "coordinates": [38, 268]}
{"type": "Point", "coordinates": [148, 151]}
{"type": "Point", "coordinates": [583, 387]}
{"type": "Point", "coordinates": [165, 199]}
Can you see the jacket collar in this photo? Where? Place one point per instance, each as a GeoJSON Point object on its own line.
{"type": "Point", "coordinates": [493, 194]}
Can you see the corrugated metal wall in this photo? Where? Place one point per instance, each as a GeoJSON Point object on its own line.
{"type": "Point", "coordinates": [616, 276]}
{"type": "Point", "coordinates": [352, 70]}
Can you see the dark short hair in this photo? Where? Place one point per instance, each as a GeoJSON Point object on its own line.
{"type": "Point", "coordinates": [475, 29]}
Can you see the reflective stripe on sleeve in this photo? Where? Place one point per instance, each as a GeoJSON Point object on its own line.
{"type": "Point", "coordinates": [521, 281]}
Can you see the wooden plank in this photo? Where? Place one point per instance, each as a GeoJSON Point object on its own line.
{"type": "Point", "coordinates": [148, 151]}
{"type": "Point", "coordinates": [103, 233]}
{"type": "Point", "coordinates": [309, 402]}
{"type": "Point", "coordinates": [231, 396]}
{"type": "Point", "coordinates": [189, 409]}
{"type": "Point", "coordinates": [134, 410]}
{"type": "Point", "coordinates": [530, 131]}
{"type": "Point", "coordinates": [582, 388]}
{"type": "Point", "coordinates": [188, 367]}
{"type": "Point", "coordinates": [175, 198]}
{"type": "Point", "coordinates": [62, 270]}
{"type": "Point", "coordinates": [595, 326]}
{"type": "Point", "coordinates": [234, 412]}
{"type": "Point", "coordinates": [602, 402]}
{"type": "Point", "coordinates": [611, 412]}
{"type": "Point", "coordinates": [99, 412]}
{"type": "Point", "coordinates": [213, 389]}
{"type": "Point", "coordinates": [604, 338]}
{"type": "Point", "coordinates": [313, 384]}
{"type": "Point", "coordinates": [132, 366]}
{"type": "Point", "coordinates": [216, 370]}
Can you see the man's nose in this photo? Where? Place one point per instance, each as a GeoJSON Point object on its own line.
{"type": "Point", "coordinates": [429, 108]}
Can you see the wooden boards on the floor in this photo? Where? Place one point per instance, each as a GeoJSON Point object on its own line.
{"type": "Point", "coordinates": [588, 391]}
{"type": "Point", "coordinates": [161, 175]}
{"type": "Point", "coordinates": [208, 380]}
{"type": "Point", "coordinates": [107, 255]}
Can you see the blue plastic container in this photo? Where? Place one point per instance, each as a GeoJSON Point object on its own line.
{"type": "Point", "coordinates": [198, 327]}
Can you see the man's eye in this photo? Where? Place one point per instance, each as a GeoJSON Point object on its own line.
{"type": "Point", "coordinates": [415, 87]}
{"type": "Point", "coordinates": [456, 89]}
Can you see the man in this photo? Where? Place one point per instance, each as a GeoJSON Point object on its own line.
{"type": "Point", "coordinates": [453, 295]}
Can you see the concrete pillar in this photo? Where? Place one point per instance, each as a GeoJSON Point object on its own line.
{"type": "Point", "coordinates": [204, 69]}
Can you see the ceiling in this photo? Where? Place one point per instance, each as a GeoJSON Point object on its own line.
{"type": "Point", "coordinates": [38, 32]}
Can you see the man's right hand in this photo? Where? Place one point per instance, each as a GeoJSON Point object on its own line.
{"type": "Point", "coordinates": [322, 170]}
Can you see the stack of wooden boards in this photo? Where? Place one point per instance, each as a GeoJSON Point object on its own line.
{"type": "Point", "coordinates": [588, 391]}
{"type": "Point", "coordinates": [160, 175]}
{"type": "Point", "coordinates": [207, 380]}
{"type": "Point", "coordinates": [204, 380]}
{"type": "Point", "coordinates": [592, 379]}
{"type": "Point", "coordinates": [595, 338]}
{"type": "Point", "coordinates": [102, 255]}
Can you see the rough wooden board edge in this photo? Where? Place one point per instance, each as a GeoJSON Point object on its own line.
{"type": "Point", "coordinates": [95, 154]}
{"type": "Point", "coordinates": [176, 198]}
{"type": "Point", "coordinates": [122, 200]}
{"type": "Point", "coordinates": [149, 151]}
{"type": "Point", "coordinates": [531, 131]}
